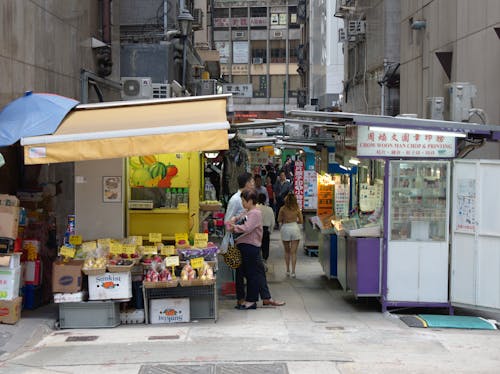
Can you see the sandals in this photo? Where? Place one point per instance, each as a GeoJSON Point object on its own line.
{"type": "Point", "coordinates": [272, 302]}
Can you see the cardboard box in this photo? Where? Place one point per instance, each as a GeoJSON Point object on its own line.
{"type": "Point", "coordinates": [11, 261]}
{"type": "Point", "coordinates": [9, 221]}
{"type": "Point", "coordinates": [10, 281]}
{"type": "Point", "coordinates": [10, 310]}
{"type": "Point", "coordinates": [32, 272]}
{"type": "Point", "coordinates": [169, 310]}
{"type": "Point", "coordinates": [110, 286]}
{"type": "Point", "coordinates": [9, 200]}
{"type": "Point", "coordinates": [67, 276]}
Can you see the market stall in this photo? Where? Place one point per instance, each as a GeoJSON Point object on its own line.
{"type": "Point", "coordinates": [137, 203]}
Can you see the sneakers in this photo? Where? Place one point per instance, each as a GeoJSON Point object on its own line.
{"type": "Point", "coordinates": [293, 275]}
{"type": "Point", "coordinates": [287, 273]}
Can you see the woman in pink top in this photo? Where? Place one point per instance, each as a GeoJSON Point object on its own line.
{"type": "Point", "coordinates": [249, 243]}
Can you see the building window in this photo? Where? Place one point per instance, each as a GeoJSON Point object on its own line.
{"type": "Point", "coordinates": [293, 20]}
{"type": "Point", "coordinates": [258, 12]}
{"type": "Point", "coordinates": [293, 49]}
{"type": "Point", "coordinates": [239, 12]}
{"type": "Point", "coordinates": [277, 86]}
{"type": "Point", "coordinates": [221, 12]}
{"type": "Point", "coordinates": [294, 85]}
{"type": "Point", "coordinates": [259, 54]}
{"type": "Point", "coordinates": [278, 51]}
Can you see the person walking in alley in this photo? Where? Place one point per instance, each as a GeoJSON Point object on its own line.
{"type": "Point", "coordinates": [267, 226]}
{"type": "Point", "coordinates": [235, 208]}
{"type": "Point", "coordinates": [289, 218]}
{"type": "Point", "coordinates": [249, 243]}
{"type": "Point", "coordinates": [260, 188]}
{"type": "Point", "coordinates": [281, 189]}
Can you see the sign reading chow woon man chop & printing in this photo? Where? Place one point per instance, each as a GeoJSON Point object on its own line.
{"type": "Point", "coordinates": [401, 144]}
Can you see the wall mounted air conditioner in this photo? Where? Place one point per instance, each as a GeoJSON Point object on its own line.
{"type": "Point", "coordinates": [278, 34]}
{"type": "Point", "coordinates": [161, 90]}
{"type": "Point", "coordinates": [356, 27]}
{"type": "Point", "coordinates": [198, 19]}
{"type": "Point", "coordinates": [257, 60]}
{"type": "Point", "coordinates": [239, 34]}
{"type": "Point", "coordinates": [434, 107]}
{"type": "Point", "coordinates": [136, 88]}
{"type": "Point", "coordinates": [342, 35]}
{"type": "Point", "coordinates": [459, 100]}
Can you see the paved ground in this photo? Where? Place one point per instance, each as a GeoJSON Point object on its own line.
{"type": "Point", "coordinates": [320, 330]}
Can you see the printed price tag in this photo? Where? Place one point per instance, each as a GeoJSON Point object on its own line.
{"type": "Point", "coordinates": [104, 242]}
{"type": "Point", "coordinates": [155, 237]}
{"type": "Point", "coordinates": [172, 261]}
{"type": "Point", "coordinates": [129, 248]}
{"type": "Point", "coordinates": [67, 251]}
{"type": "Point", "coordinates": [150, 250]}
{"type": "Point", "coordinates": [197, 263]}
{"type": "Point", "coordinates": [75, 239]}
{"type": "Point", "coordinates": [168, 250]}
{"type": "Point", "coordinates": [116, 248]}
{"type": "Point", "coordinates": [200, 240]}
{"type": "Point", "coordinates": [181, 236]}
{"type": "Point", "coordinates": [89, 246]}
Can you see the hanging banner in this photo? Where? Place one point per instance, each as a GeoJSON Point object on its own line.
{"type": "Point", "coordinates": [396, 144]}
{"type": "Point", "coordinates": [298, 183]}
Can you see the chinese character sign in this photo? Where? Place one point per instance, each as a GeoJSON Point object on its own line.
{"type": "Point", "coordinates": [298, 178]}
{"type": "Point", "coordinates": [395, 144]}
{"type": "Point", "coordinates": [310, 190]}
{"type": "Point", "coordinates": [325, 195]}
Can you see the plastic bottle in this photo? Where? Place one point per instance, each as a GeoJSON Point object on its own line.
{"type": "Point", "coordinates": [168, 198]}
{"type": "Point", "coordinates": [173, 204]}
{"type": "Point", "coordinates": [185, 195]}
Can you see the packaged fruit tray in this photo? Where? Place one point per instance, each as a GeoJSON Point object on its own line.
{"type": "Point", "coordinates": [96, 271]}
{"type": "Point", "coordinates": [163, 284]}
{"type": "Point", "coordinates": [196, 282]}
{"type": "Point", "coordinates": [120, 268]}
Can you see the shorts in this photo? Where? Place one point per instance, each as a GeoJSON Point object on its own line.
{"type": "Point", "coordinates": [290, 231]}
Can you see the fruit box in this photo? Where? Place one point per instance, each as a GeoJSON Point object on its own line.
{"type": "Point", "coordinates": [67, 276]}
{"type": "Point", "coordinates": [110, 286]}
{"type": "Point", "coordinates": [10, 280]}
{"type": "Point", "coordinates": [9, 221]}
{"type": "Point", "coordinates": [10, 310]}
{"type": "Point", "coordinates": [169, 310]}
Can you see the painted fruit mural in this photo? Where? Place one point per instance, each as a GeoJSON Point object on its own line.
{"type": "Point", "coordinates": [148, 171]}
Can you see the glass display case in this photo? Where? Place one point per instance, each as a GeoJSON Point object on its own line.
{"type": "Point", "coordinates": [418, 201]}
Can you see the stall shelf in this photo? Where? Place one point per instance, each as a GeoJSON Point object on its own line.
{"type": "Point", "coordinates": [203, 302]}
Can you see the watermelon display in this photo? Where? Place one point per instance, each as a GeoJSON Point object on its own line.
{"type": "Point", "coordinates": [158, 169]}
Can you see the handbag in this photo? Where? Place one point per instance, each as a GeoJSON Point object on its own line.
{"type": "Point", "coordinates": [232, 257]}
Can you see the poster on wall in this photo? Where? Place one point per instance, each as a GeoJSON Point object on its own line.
{"type": "Point", "coordinates": [310, 190]}
{"type": "Point", "coordinates": [466, 202]}
{"type": "Point", "coordinates": [298, 179]}
{"type": "Point", "coordinates": [163, 170]}
{"type": "Point", "coordinates": [325, 195]}
{"type": "Point", "coordinates": [112, 189]}
{"type": "Point", "coordinates": [341, 201]}
{"type": "Point", "coordinates": [240, 52]}
{"type": "Point", "coordinates": [224, 52]}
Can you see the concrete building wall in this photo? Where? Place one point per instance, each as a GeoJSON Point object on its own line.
{"type": "Point", "coordinates": [464, 28]}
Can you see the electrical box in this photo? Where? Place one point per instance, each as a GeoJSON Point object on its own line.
{"type": "Point", "coordinates": [136, 88]}
{"type": "Point", "coordinates": [460, 100]}
{"type": "Point", "coordinates": [434, 107]}
{"type": "Point", "coordinates": [206, 87]}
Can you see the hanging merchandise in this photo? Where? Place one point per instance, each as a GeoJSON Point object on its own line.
{"type": "Point", "coordinates": [235, 163]}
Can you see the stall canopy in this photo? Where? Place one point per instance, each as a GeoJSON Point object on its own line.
{"type": "Point", "coordinates": [133, 128]}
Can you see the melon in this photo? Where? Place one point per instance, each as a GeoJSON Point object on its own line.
{"type": "Point", "coordinates": [158, 169]}
{"type": "Point", "coordinates": [139, 177]}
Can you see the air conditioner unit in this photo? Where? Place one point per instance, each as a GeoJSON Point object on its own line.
{"type": "Point", "coordinates": [206, 87]}
{"type": "Point", "coordinates": [136, 88]}
{"type": "Point", "coordinates": [240, 34]}
{"type": "Point", "coordinates": [257, 60]}
{"type": "Point", "coordinates": [342, 36]}
{"type": "Point", "coordinates": [278, 34]}
{"type": "Point", "coordinates": [161, 90]}
{"type": "Point", "coordinates": [434, 107]}
{"type": "Point", "coordinates": [198, 19]}
{"type": "Point", "coordinates": [356, 27]}
{"type": "Point", "coordinates": [460, 97]}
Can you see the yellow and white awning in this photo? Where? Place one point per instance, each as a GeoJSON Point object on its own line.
{"type": "Point", "coordinates": [134, 128]}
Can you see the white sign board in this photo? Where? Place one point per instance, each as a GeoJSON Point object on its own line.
{"type": "Point", "coordinates": [396, 144]}
{"type": "Point", "coordinates": [240, 52]}
{"type": "Point", "coordinates": [238, 90]}
{"type": "Point", "coordinates": [224, 51]}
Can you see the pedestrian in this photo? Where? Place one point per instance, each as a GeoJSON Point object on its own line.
{"type": "Point", "coordinates": [281, 188]}
{"type": "Point", "coordinates": [249, 243]}
{"type": "Point", "coordinates": [267, 226]}
{"type": "Point", "coordinates": [270, 194]}
{"type": "Point", "coordinates": [289, 218]}
{"type": "Point", "coordinates": [234, 209]}
{"type": "Point", "coordinates": [260, 188]}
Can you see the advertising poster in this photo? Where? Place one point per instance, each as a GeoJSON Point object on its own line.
{"type": "Point", "coordinates": [298, 178]}
{"type": "Point", "coordinates": [466, 202]}
{"type": "Point", "coordinates": [310, 190]}
{"type": "Point", "coordinates": [325, 195]}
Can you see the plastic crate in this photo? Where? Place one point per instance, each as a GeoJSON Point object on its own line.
{"type": "Point", "coordinates": [90, 314]}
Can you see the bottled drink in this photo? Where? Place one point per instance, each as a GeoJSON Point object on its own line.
{"type": "Point", "coordinates": [174, 198]}
{"type": "Point", "coordinates": [168, 198]}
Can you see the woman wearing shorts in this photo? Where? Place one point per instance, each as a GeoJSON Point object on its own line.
{"type": "Point", "coordinates": [289, 218]}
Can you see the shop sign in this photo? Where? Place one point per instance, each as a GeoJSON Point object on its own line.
{"type": "Point", "coordinates": [259, 158]}
{"type": "Point", "coordinates": [325, 195]}
{"type": "Point", "coordinates": [240, 52]}
{"type": "Point", "coordinates": [396, 144]}
{"type": "Point", "coordinates": [298, 178]}
{"type": "Point", "coordinates": [238, 90]}
{"type": "Point", "coordinates": [310, 189]}
{"type": "Point", "coordinates": [224, 51]}
{"type": "Point", "coordinates": [200, 240]}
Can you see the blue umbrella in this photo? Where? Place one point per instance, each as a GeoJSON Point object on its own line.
{"type": "Point", "coordinates": [33, 114]}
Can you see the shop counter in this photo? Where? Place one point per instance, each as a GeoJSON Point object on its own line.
{"type": "Point", "coordinates": [364, 266]}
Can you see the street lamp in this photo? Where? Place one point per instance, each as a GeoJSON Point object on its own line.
{"type": "Point", "coordinates": [185, 20]}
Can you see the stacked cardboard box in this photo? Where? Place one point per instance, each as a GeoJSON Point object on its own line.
{"type": "Point", "coordinates": [10, 279]}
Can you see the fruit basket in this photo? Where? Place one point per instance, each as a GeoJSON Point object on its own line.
{"type": "Point", "coordinates": [196, 282]}
{"type": "Point", "coordinates": [94, 271]}
{"type": "Point", "coordinates": [120, 268]}
{"type": "Point", "coordinates": [213, 205]}
{"type": "Point", "coordinates": [161, 284]}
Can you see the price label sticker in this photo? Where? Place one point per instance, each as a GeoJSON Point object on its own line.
{"type": "Point", "coordinates": [172, 261]}
{"type": "Point", "coordinates": [197, 263]}
{"type": "Point", "coordinates": [75, 239]}
{"type": "Point", "coordinates": [116, 248]}
{"type": "Point", "coordinates": [179, 237]}
{"type": "Point", "coordinates": [200, 240]}
{"type": "Point", "coordinates": [67, 251]}
{"type": "Point", "coordinates": [129, 248]}
{"type": "Point", "coordinates": [104, 242]}
{"type": "Point", "coordinates": [136, 239]}
{"type": "Point", "coordinates": [155, 237]}
{"type": "Point", "coordinates": [168, 250]}
{"type": "Point", "coordinates": [150, 250]}
{"type": "Point", "coordinates": [89, 246]}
